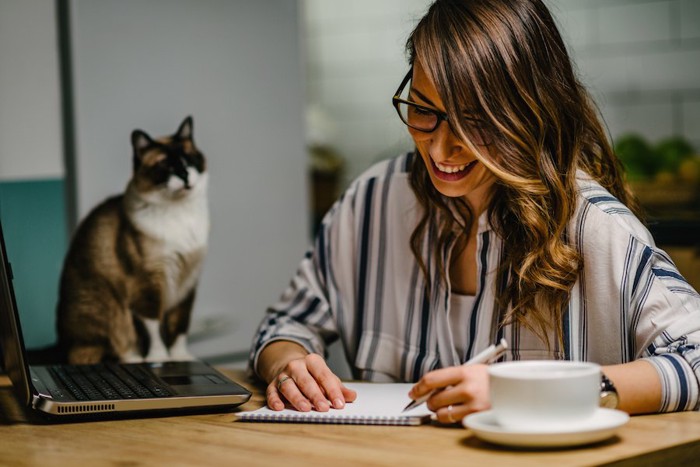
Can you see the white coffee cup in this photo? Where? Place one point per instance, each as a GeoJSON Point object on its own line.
{"type": "Point", "coordinates": [544, 395]}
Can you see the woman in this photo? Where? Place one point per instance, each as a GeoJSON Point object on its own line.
{"type": "Point", "coordinates": [511, 220]}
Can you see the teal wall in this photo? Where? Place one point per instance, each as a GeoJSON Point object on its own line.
{"type": "Point", "coordinates": [33, 217]}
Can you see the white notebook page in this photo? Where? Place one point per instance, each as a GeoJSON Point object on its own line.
{"type": "Point", "coordinates": [376, 403]}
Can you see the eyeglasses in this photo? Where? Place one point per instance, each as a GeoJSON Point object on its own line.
{"type": "Point", "coordinates": [426, 119]}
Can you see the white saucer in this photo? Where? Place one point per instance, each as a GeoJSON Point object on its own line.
{"type": "Point", "coordinates": [600, 426]}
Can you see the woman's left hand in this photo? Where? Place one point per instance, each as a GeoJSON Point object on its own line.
{"type": "Point", "coordinates": [461, 390]}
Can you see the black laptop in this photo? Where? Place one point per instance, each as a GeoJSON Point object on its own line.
{"type": "Point", "coordinates": [106, 390]}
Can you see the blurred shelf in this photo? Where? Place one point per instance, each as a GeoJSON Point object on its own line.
{"type": "Point", "coordinates": [675, 227]}
{"type": "Point", "coordinates": [672, 209]}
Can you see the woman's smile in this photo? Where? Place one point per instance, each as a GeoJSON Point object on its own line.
{"type": "Point", "coordinates": [449, 172]}
{"type": "Point", "coordinates": [454, 169]}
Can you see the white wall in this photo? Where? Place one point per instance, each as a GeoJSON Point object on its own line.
{"type": "Point", "coordinates": [30, 129]}
{"type": "Point", "coordinates": [640, 58]}
{"type": "Point", "coordinates": [355, 63]}
{"type": "Point", "coordinates": [236, 66]}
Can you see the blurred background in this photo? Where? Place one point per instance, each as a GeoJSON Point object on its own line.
{"type": "Point", "coordinates": [291, 100]}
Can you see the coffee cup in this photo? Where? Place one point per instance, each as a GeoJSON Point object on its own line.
{"type": "Point", "coordinates": [544, 395]}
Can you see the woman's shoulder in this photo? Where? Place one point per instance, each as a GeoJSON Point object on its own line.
{"type": "Point", "coordinates": [597, 208]}
{"type": "Point", "coordinates": [389, 177]}
{"type": "Point", "coordinates": [384, 186]}
{"type": "Point", "coordinates": [393, 173]}
{"type": "Point", "coordinates": [394, 167]}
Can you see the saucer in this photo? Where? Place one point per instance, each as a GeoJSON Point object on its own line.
{"type": "Point", "coordinates": [600, 426]}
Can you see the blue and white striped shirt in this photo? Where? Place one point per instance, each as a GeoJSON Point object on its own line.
{"type": "Point", "coordinates": [360, 283]}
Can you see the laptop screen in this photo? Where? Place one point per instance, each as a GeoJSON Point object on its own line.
{"type": "Point", "coordinates": [11, 339]}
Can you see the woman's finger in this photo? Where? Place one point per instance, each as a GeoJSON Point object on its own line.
{"type": "Point", "coordinates": [307, 383]}
{"type": "Point", "coordinates": [447, 396]}
{"type": "Point", "coordinates": [452, 414]}
{"type": "Point", "coordinates": [274, 401]}
{"type": "Point", "coordinates": [436, 379]}
{"type": "Point", "coordinates": [331, 385]}
{"type": "Point", "coordinates": [310, 388]}
{"type": "Point", "coordinates": [304, 372]}
{"type": "Point", "coordinates": [471, 394]}
{"type": "Point", "coordinates": [287, 386]}
{"type": "Point", "coordinates": [349, 394]}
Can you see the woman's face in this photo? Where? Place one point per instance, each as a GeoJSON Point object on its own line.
{"type": "Point", "coordinates": [453, 168]}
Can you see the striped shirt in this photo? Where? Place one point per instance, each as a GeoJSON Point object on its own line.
{"type": "Point", "coordinates": [361, 284]}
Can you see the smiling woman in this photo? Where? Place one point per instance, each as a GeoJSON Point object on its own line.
{"type": "Point", "coordinates": [509, 219]}
{"type": "Point", "coordinates": [425, 117]}
{"type": "Point", "coordinates": [453, 161]}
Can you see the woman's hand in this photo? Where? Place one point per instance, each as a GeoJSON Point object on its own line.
{"type": "Point", "coordinates": [461, 390]}
{"type": "Point", "coordinates": [301, 378]}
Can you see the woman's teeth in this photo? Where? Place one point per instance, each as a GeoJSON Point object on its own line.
{"type": "Point", "coordinates": [450, 169]}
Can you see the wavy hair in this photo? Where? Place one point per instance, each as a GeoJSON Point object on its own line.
{"type": "Point", "coordinates": [505, 62]}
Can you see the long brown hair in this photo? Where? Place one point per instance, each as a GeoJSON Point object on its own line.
{"type": "Point", "coordinates": [505, 62]}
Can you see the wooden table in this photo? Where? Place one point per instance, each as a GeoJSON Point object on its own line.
{"type": "Point", "coordinates": [218, 439]}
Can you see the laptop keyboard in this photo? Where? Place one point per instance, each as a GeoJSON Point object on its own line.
{"type": "Point", "coordinates": [108, 381]}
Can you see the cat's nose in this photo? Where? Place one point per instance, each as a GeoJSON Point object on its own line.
{"type": "Point", "coordinates": [184, 176]}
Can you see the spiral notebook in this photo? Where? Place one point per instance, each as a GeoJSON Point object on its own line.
{"type": "Point", "coordinates": [376, 404]}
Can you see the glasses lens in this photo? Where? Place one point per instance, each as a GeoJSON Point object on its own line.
{"type": "Point", "coordinates": [417, 117]}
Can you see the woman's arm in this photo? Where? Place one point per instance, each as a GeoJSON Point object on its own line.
{"type": "Point", "coordinates": [635, 295]}
{"type": "Point", "coordinates": [638, 386]}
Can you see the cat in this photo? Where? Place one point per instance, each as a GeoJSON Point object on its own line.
{"type": "Point", "coordinates": [130, 276]}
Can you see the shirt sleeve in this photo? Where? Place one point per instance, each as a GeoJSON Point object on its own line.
{"type": "Point", "coordinates": [673, 307]}
{"type": "Point", "coordinates": [306, 312]}
{"type": "Point", "coordinates": [643, 307]}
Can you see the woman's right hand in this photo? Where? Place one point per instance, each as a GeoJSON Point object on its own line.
{"type": "Point", "coordinates": [302, 379]}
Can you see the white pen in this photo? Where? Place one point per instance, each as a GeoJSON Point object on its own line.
{"type": "Point", "coordinates": [492, 352]}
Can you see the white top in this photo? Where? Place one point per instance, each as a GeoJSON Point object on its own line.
{"type": "Point", "coordinates": [459, 312]}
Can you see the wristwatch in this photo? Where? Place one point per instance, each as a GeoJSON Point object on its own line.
{"type": "Point", "coordinates": [609, 398]}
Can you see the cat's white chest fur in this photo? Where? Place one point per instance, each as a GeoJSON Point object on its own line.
{"type": "Point", "coordinates": [179, 227]}
{"type": "Point", "coordinates": [179, 223]}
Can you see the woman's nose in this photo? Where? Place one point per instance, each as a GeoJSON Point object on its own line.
{"type": "Point", "coordinates": [444, 144]}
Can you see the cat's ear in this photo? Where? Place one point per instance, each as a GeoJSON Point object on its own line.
{"type": "Point", "coordinates": [140, 140]}
{"type": "Point", "coordinates": [185, 130]}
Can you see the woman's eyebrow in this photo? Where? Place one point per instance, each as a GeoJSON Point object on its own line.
{"type": "Point", "coordinates": [421, 96]}
{"type": "Point", "coordinates": [430, 103]}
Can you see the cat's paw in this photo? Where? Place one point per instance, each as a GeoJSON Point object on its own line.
{"type": "Point", "coordinates": [179, 352]}
{"type": "Point", "coordinates": [131, 357]}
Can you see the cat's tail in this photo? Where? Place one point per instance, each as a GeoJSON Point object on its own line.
{"type": "Point", "coordinates": [52, 355]}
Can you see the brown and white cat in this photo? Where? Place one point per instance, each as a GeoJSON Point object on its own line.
{"type": "Point", "coordinates": [130, 276]}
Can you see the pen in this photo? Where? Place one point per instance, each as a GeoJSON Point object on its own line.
{"type": "Point", "coordinates": [490, 353]}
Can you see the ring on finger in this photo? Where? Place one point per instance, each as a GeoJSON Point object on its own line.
{"type": "Point", "coordinates": [282, 379]}
{"type": "Point", "coordinates": [449, 414]}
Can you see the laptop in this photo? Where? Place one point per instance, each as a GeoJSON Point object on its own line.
{"type": "Point", "coordinates": [106, 390]}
